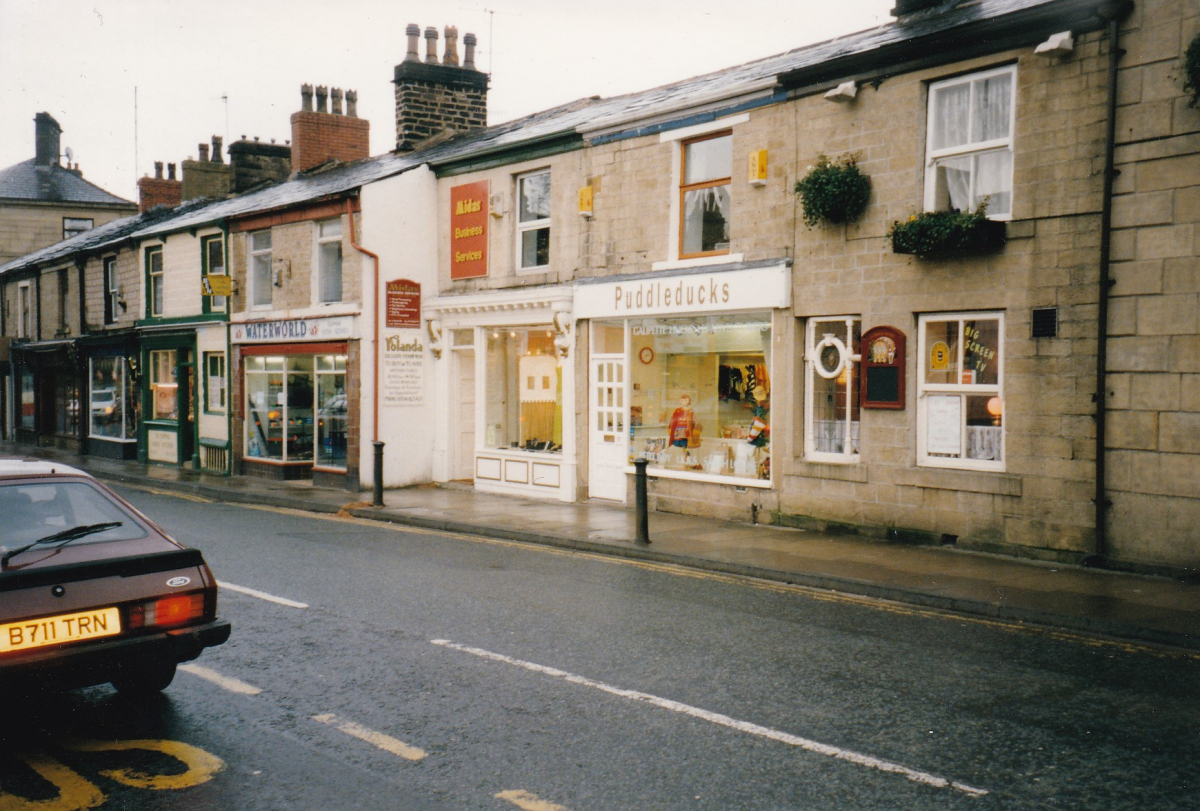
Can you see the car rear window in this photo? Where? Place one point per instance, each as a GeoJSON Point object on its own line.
{"type": "Point", "coordinates": [32, 511]}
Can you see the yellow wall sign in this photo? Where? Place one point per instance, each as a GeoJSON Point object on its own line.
{"type": "Point", "coordinates": [939, 357]}
{"type": "Point", "coordinates": [758, 167]}
{"type": "Point", "coordinates": [216, 285]}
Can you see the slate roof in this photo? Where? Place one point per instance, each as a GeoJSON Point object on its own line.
{"type": "Point", "coordinates": [28, 182]}
{"type": "Point", "coordinates": [970, 24]}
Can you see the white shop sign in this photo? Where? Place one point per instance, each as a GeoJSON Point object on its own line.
{"type": "Point", "coordinates": [287, 330]}
{"type": "Point", "coordinates": [755, 288]}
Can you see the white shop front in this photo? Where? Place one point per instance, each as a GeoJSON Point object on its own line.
{"type": "Point", "coordinates": [680, 370]}
{"type": "Point", "coordinates": [503, 373]}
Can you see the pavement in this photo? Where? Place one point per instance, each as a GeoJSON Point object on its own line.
{"type": "Point", "coordinates": [1153, 609]}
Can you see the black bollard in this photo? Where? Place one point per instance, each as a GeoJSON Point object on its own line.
{"type": "Point", "coordinates": [378, 500]}
{"type": "Point", "coordinates": [643, 508]}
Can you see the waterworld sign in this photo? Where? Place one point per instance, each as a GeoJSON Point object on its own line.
{"type": "Point", "coordinates": [288, 330]}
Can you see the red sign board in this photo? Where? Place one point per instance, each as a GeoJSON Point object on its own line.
{"type": "Point", "coordinates": [404, 304]}
{"type": "Point", "coordinates": [469, 230]}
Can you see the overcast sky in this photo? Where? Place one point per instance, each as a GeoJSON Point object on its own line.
{"type": "Point", "coordinates": [234, 67]}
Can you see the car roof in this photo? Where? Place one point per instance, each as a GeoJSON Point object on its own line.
{"type": "Point", "coordinates": [13, 468]}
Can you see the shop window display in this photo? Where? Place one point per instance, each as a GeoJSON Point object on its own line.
{"type": "Point", "coordinates": [296, 409]}
{"type": "Point", "coordinates": [164, 388]}
{"type": "Point", "coordinates": [700, 399]}
{"type": "Point", "coordinates": [110, 398]}
{"type": "Point", "coordinates": [523, 391]}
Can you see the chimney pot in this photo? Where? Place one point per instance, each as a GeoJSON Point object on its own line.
{"type": "Point", "coordinates": [170, 171]}
{"type": "Point", "coordinates": [451, 55]}
{"type": "Point", "coordinates": [469, 55]}
{"type": "Point", "coordinates": [336, 101]}
{"type": "Point", "coordinates": [158, 170]}
{"type": "Point", "coordinates": [306, 91]}
{"type": "Point", "coordinates": [203, 150]}
{"type": "Point", "coordinates": [218, 141]}
{"type": "Point", "coordinates": [413, 31]}
{"type": "Point", "coordinates": [431, 38]}
{"type": "Point", "coordinates": [46, 136]}
{"type": "Point", "coordinates": [352, 103]}
{"type": "Point", "coordinates": [322, 95]}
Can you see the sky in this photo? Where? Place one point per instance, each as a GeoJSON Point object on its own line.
{"type": "Point", "coordinates": [132, 82]}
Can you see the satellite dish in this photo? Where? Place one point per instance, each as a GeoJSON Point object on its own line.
{"type": "Point", "coordinates": [70, 155]}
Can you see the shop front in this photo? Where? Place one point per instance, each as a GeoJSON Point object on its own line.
{"type": "Point", "coordinates": [297, 418]}
{"type": "Point", "coordinates": [114, 407]}
{"type": "Point", "coordinates": [48, 393]}
{"type": "Point", "coordinates": [505, 376]}
{"type": "Point", "coordinates": [168, 387]}
{"type": "Point", "coordinates": [680, 374]}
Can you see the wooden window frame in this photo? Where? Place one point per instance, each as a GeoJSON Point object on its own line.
{"type": "Point", "coordinates": [684, 188]}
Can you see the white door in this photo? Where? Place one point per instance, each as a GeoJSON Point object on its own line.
{"type": "Point", "coordinates": [608, 449]}
{"type": "Point", "coordinates": [464, 425]}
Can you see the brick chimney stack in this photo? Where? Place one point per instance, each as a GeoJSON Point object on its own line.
{"type": "Point", "coordinates": [159, 191]}
{"type": "Point", "coordinates": [46, 139]}
{"type": "Point", "coordinates": [319, 136]}
{"type": "Point", "coordinates": [434, 97]}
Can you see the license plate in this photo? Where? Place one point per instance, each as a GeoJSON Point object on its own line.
{"type": "Point", "coordinates": [56, 630]}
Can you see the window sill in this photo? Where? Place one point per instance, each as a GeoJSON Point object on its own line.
{"type": "Point", "coordinates": [698, 262]}
{"type": "Point", "coordinates": [849, 470]}
{"type": "Point", "coordinates": [945, 477]}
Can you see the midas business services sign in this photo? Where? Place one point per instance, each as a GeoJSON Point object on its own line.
{"type": "Point", "coordinates": [469, 230]}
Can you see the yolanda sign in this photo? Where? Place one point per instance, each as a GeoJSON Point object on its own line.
{"type": "Point", "coordinates": [469, 230]}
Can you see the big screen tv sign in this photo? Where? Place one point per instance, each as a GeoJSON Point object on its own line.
{"type": "Point", "coordinates": [469, 230]}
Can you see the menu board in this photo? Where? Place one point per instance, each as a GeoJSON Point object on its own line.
{"type": "Point", "coordinates": [943, 426]}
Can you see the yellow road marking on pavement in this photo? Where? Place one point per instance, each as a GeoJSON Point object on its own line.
{"type": "Point", "coordinates": [385, 742]}
{"type": "Point", "coordinates": [201, 766]}
{"type": "Point", "coordinates": [529, 802]}
{"type": "Point", "coordinates": [226, 682]}
{"type": "Point", "coordinates": [74, 792]}
{"type": "Point", "coordinates": [172, 493]}
{"type": "Point", "coordinates": [823, 595]}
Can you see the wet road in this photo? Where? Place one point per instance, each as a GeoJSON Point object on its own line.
{"type": "Point", "coordinates": [381, 667]}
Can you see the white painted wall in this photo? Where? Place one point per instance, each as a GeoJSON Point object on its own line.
{"type": "Point", "coordinates": [400, 223]}
{"type": "Point", "coordinates": [211, 338]}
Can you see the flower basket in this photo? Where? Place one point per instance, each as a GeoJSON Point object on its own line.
{"type": "Point", "coordinates": [947, 234]}
{"type": "Point", "coordinates": [835, 191]}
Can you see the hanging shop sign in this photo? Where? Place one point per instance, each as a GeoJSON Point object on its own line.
{"type": "Point", "coordinates": [469, 230]}
{"type": "Point", "coordinates": [293, 329]}
{"type": "Point", "coordinates": [403, 304]}
{"type": "Point", "coordinates": [882, 368]}
{"type": "Point", "coordinates": [752, 288]}
{"type": "Point", "coordinates": [216, 285]}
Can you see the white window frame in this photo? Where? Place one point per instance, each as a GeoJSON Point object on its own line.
{"type": "Point", "coordinates": [208, 357]}
{"type": "Point", "coordinates": [933, 158]}
{"type": "Point", "coordinates": [320, 239]}
{"type": "Point", "coordinates": [26, 311]}
{"type": "Point", "coordinates": [112, 290]}
{"type": "Point", "coordinates": [256, 283]}
{"type": "Point", "coordinates": [842, 329]}
{"type": "Point", "coordinates": [155, 281]}
{"type": "Point", "coordinates": [530, 225]}
{"type": "Point", "coordinates": [925, 390]}
{"type": "Point", "coordinates": [216, 304]}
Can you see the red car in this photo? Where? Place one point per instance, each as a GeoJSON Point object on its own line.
{"type": "Point", "coordinates": [91, 591]}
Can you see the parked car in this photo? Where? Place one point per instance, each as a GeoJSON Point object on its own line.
{"type": "Point", "coordinates": [91, 590]}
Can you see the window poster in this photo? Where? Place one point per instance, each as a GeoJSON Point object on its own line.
{"type": "Point", "coordinates": [943, 427]}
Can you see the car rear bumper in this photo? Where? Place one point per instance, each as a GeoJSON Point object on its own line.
{"type": "Point", "coordinates": [86, 664]}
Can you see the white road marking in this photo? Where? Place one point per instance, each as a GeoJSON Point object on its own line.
{"type": "Point", "coordinates": [528, 802]}
{"type": "Point", "coordinates": [227, 682]}
{"type": "Point", "coordinates": [385, 742]}
{"type": "Point", "coordinates": [262, 595]}
{"type": "Point", "coordinates": [724, 720]}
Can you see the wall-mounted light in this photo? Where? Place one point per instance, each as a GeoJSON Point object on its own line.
{"type": "Point", "coordinates": [843, 93]}
{"type": "Point", "coordinates": [1060, 44]}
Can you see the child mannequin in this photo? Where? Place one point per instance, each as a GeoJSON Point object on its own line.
{"type": "Point", "coordinates": [683, 431]}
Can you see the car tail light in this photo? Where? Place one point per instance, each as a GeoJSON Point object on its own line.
{"type": "Point", "coordinates": [173, 610]}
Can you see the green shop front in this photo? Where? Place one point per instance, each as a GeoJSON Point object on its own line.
{"type": "Point", "coordinates": [168, 390]}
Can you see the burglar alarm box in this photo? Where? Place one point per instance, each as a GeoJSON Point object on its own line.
{"type": "Point", "coordinates": [882, 367]}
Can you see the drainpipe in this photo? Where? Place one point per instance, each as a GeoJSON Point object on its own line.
{"type": "Point", "coordinates": [1113, 12]}
{"type": "Point", "coordinates": [378, 484]}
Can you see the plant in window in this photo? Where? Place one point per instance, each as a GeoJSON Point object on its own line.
{"type": "Point", "coordinates": [1191, 69]}
{"type": "Point", "coordinates": [942, 234]}
{"type": "Point", "coordinates": [835, 191]}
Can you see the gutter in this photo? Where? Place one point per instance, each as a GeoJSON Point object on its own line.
{"type": "Point", "coordinates": [374, 323]}
{"type": "Point", "coordinates": [1113, 12]}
